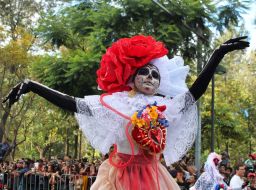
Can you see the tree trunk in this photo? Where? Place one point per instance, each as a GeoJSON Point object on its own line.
{"type": "Point", "coordinates": [3, 123]}
{"type": "Point", "coordinates": [44, 150]}
{"type": "Point", "coordinates": [76, 143]}
{"type": "Point", "coordinates": [227, 147]}
{"type": "Point", "coordinates": [76, 146]}
{"type": "Point", "coordinates": [80, 145]}
{"type": "Point", "coordinates": [67, 142]}
{"type": "Point", "coordinates": [93, 154]}
{"type": "Point", "coordinates": [41, 154]}
{"type": "Point", "coordinates": [13, 153]}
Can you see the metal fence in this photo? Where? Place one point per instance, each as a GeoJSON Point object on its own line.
{"type": "Point", "coordinates": [43, 182]}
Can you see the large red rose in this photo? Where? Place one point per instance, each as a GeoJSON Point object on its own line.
{"type": "Point", "coordinates": [123, 58]}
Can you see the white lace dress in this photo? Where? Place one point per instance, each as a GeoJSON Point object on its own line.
{"type": "Point", "coordinates": [104, 127]}
{"type": "Point", "coordinates": [207, 182]}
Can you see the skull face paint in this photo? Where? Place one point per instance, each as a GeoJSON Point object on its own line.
{"type": "Point", "coordinates": [147, 79]}
{"type": "Point", "coordinates": [216, 161]}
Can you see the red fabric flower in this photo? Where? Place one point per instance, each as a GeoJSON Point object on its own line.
{"type": "Point", "coordinates": [123, 58]}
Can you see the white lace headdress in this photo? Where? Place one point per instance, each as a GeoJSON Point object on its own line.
{"type": "Point", "coordinates": [173, 75]}
{"type": "Point", "coordinates": [212, 169]}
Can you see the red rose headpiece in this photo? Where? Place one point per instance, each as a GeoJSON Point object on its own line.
{"type": "Point", "coordinates": [123, 58]}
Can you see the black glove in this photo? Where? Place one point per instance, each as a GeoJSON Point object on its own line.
{"type": "Point", "coordinates": [204, 78]}
{"type": "Point", "coordinates": [233, 44]}
{"type": "Point", "coordinates": [16, 92]}
{"type": "Point", "coordinates": [59, 99]}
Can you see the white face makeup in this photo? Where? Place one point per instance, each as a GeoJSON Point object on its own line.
{"type": "Point", "coordinates": [147, 79]}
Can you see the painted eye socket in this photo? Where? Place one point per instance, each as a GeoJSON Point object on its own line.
{"type": "Point", "coordinates": [155, 74]}
{"type": "Point", "coordinates": [146, 71]}
{"type": "Point", "coordinates": [143, 71]}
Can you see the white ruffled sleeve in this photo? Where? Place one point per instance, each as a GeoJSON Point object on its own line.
{"type": "Point", "coordinates": [100, 125]}
{"type": "Point", "coordinates": [182, 116]}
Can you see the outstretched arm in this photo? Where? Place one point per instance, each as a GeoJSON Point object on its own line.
{"type": "Point", "coordinates": [59, 99]}
{"type": "Point", "coordinates": [200, 85]}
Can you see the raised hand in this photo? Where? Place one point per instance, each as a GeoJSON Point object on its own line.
{"type": "Point", "coordinates": [59, 99]}
{"type": "Point", "coordinates": [15, 93]}
{"type": "Point", "coordinates": [201, 83]}
{"type": "Point", "coordinates": [233, 44]}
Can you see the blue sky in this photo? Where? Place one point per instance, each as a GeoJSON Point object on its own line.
{"type": "Point", "coordinates": [250, 19]}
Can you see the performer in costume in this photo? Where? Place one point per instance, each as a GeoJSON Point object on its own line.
{"type": "Point", "coordinates": [211, 179]}
{"type": "Point", "coordinates": [147, 110]}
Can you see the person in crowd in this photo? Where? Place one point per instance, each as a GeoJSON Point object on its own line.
{"type": "Point", "coordinates": [53, 176]}
{"type": "Point", "coordinates": [191, 181]}
{"type": "Point", "coordinates": [250, 162]}
{"type": "Point", "coordinates": [22, 168]}
{"type": "Point", "coordinates": [225, 159]}
{"type": "Point", "coordinates": [211, 179]}
{"type": "Point", "coordinates": [237, 182]}
{"type": "Point", "coordinates": [191, 169]}
{"type": "Point", "coordinates": [222, 169]}
{"type": "Point", "coordinates": [146, 93]}
{"type": "Point", "coordinates": [252, 180]}
{"type": "Point", "coordinates": [66, 167]}
{"type": "Point", "coordinates": [4, 148]}
{"type": "Point", "coordinates": [93, 171]}
{"type": "Point", "coordinates": [82, 168]}
{"type": "Point", "coordinates": [180, 179]}
{"type": "Point", "coordinates": [227, 176]}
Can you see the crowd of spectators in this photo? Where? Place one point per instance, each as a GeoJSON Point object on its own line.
{"type": "Point", "coordinates": [242, 175]}
{"type": "Point", "coordinates": [68, 174]}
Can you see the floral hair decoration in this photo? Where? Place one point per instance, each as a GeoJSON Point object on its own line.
{"type": "Point", "coordinates": [123, 58]}
{"type": "Point", "coordinates": [149, 128]}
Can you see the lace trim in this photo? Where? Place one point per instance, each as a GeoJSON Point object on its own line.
{"type": "Point", "coordinates": [100, 126]}
{"type": "Point", "coordinates": [83, 108]}
{"type": "Point", "coordinates": [183, 127]}
{"type": "Point", "coordinates": [205, 182]}
{"type": "Point", "coordinates": [103, 128]}
{"type": "Point", "coordinates": [188, 102]}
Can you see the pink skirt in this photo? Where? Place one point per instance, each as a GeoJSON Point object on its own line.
{"type": "Point", "coordinates": [141, 174]}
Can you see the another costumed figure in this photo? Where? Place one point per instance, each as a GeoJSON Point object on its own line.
{"type": "Point", "coordinates": [147, 110]}
{"type": "Point", "coordinates": [211, 179]}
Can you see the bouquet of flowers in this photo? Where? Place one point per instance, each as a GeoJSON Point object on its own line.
{"type": "Point", "coordinates": [149, 128]}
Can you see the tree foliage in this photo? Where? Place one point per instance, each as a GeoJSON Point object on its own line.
{"type": "Point", "coordinates": [16, 24]}
{"type": "Point", "coordinates": [74, 37]}
{"type": "Point", "coordinates": [14, 63]}
{"type": "Point", "coordinates": [234, 98]}
{"type": "Point", "coordinates": [88, 27]}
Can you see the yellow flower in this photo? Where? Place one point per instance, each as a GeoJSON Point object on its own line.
{"type": "Point", "coordinates": [153, 108]}
{"type": "Point", "coordinates": [134, 118]}
{"type": "Point", "coordinates": [153, 113]}
{"type": "Point", "coordinates": [140, 123]}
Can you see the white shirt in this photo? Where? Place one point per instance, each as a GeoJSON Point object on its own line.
{"type": "Point", "coordinates": [236, 182]}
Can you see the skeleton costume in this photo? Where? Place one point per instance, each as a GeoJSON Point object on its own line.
{"type": "Point", "coordinates": [103, 120]}
{"type": "Point", "coordinates": [211, 179]}
{"type": "Point", "coordinates": [181, 113]}
{"type": "Point", "coordinates": [140, 123]}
